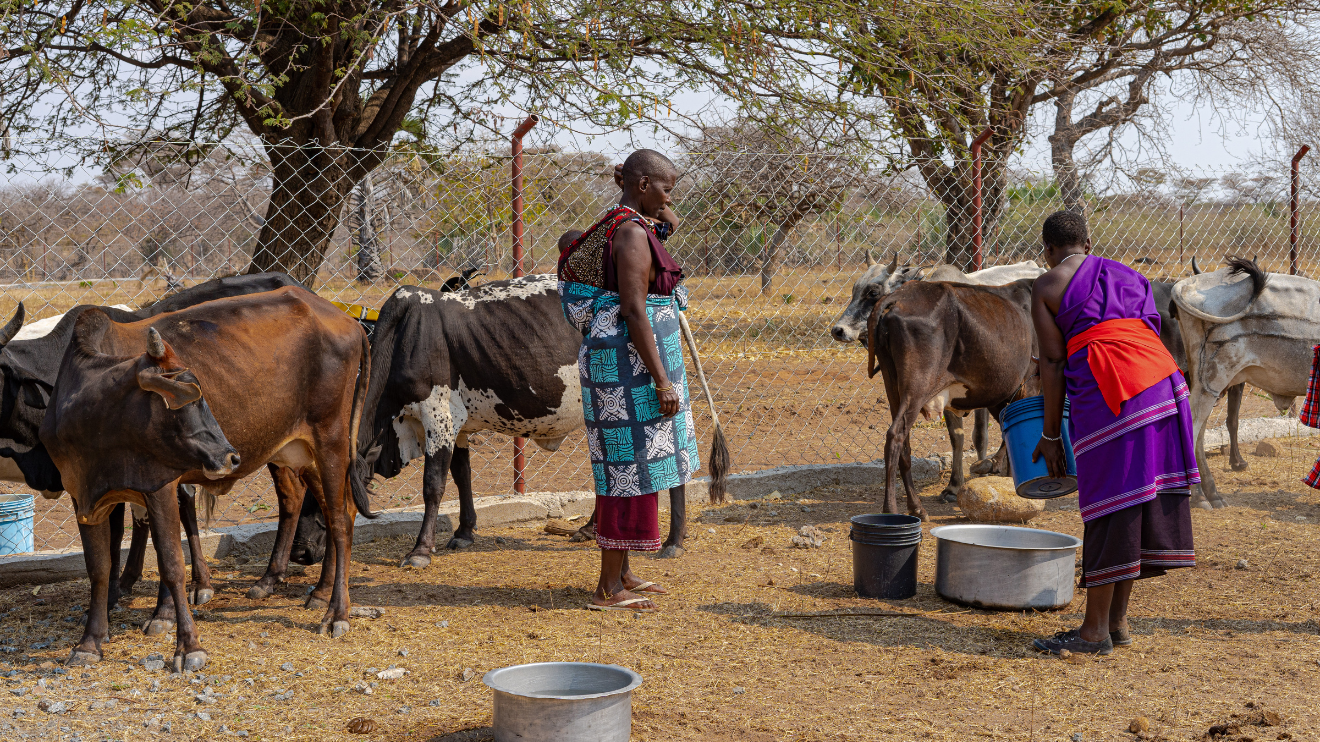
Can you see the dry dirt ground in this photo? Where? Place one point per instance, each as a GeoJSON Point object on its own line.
{"type": "Point", "coordinates": [720, 662]}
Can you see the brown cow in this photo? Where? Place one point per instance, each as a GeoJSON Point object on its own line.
{"type": "Point", "coordinates": [284, 374]}
{"type": "Point", "coordinates": [947, 345]}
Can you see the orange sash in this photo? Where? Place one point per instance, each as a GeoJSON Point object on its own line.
{"type": "Point", "coordinates": [1125, 357]}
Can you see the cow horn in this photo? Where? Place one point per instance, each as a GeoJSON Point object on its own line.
{"type": "Point", "coordinates": [870, 259]}
{"type": "Point", "coordinates": [155, 346]}
{"type": "Point", "coordinates": [1196, 269]}
{"type": "Point", "coordinates": [11, 329]}
{"type": "Point", "coordinates": [893, 264]}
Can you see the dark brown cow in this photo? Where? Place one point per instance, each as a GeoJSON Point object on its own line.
{"type": "Point", "coordinates": [947, 345]}
{"type": "Point", "coordinates": [284, 374]}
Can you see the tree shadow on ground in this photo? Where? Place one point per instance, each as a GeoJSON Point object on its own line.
{"type": "Point", "coordinates": [934, 630]}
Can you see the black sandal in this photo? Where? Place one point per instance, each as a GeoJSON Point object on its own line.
{"type": "Point", "coordinates": [1120, 638]}
{"type": "Point", "coordinates": [1072, 641]}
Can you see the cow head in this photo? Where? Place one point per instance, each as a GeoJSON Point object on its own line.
{"type": "Point", "coordinates": [121, 427]}
{"type": "Point", "coordinates": [877, 282]}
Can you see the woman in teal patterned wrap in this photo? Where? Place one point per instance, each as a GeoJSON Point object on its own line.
{"type": "Point", "coordinates": [620, 287]}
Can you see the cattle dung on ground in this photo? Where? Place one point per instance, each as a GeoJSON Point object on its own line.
{"type": "Point", "coordinates": [285, 375]}
{"type": "Point", "coordinates": [1241, 324]}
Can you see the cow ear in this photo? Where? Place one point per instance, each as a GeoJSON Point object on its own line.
{"type": "Point", "coordinates": [165, 383]}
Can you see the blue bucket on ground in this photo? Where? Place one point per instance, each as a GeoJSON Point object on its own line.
{"type": "Point", "coordinates": [16, 515]}
{"type": "Point", "coordinates": [1023, 423]}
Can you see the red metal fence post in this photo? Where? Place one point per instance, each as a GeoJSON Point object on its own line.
{"type": "Point", "coordinates": [976, 198]}
{"type": "Point", "coordinates": [519, 459]}
{"type": "Point", "coordinates": [1292, 208]}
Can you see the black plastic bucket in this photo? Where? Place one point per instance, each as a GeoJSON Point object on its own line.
{"type": "Point", "coordinates": [884, 548]}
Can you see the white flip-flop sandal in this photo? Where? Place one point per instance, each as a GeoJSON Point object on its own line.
{"type": "Point", "coordinates": [623, 605]}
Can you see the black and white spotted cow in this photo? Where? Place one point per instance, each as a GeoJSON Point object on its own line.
{"type": "Point", "coordinates": [498, 357]}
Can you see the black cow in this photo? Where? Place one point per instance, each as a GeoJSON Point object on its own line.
{"type": "Point", "coordinates": [28, 371]}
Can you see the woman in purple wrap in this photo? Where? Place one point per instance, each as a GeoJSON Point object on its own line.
{"type": "Point", "coordinates": [1131, 427]}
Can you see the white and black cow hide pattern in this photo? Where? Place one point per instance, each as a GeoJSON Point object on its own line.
{"type": "Point", "coordinates": [501, 358]}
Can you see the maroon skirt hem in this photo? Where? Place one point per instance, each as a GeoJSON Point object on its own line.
{"type": "Point", "coordinates": [628, 523]}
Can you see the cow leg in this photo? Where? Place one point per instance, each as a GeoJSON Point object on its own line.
{"type": "Point", "coordinates": [460, 468]}
{"type": "Point", "coordinates": [435, 472]}
{"type": "Point", "coordinates": [163, 618]}
{"type": "Point", "coordinates": [905, 468]}
{"type": "Point", "coordinates": [289, 498]}
{"type": "Point", "coordinates": [1202, 404]}
{"type": "Point", "coordinates": [1235, 459]}
{"type": "Point", "coordinates": [896, 441]}
{"type": "Point", "coordinates": [673, 546]}
{"type": "Point", "coordinates": [981, 432]}
{"type": "Point", "coordinates": [202, 591]}
{"type": "Point", "coordinates": [137, 551]}
{"type": "Point", "coordinates": [954, 422]}
{"type": "Point", "coordinates": [96, 546]}
{"type": "Point", "coordinates": [328, 486]}
{"type": "Point", "coordinates": [163, 509]}
{"type": "Point", "coordinates": [588, 531]}
{"type": "Point", "coordinates": [116, 551]}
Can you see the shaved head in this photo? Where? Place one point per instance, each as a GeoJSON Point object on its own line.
{"type": "Point", "coordinates": [647, 163]}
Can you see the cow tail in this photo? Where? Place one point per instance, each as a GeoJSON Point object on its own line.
{"type": "Point", "coordinates": [719, 460]}
{"type": "Point", "coordinates": [359, 471]}
{"type": "Point", "coordinates": [872, 324]}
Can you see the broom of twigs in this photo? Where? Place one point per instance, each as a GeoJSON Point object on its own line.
{"type": "Point", "coordinates": [719, 460]}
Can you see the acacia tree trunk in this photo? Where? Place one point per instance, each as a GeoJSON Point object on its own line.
{"type": "Point", "coordinates": [368, 255]}
{"type": "Point", "coordinates": [770, 253]}
{"type": "Point", "coordinates": [958, 196]}
{"type": "Point", "coordinates": [1062, 142]}
{"type": "Point", "coordinates": [310, 184]}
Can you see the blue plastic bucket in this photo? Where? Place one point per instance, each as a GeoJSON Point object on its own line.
{"type": "Point", "coordinates": [1023, 423]}
{"type": "Point", "coordinates": [16, 514]}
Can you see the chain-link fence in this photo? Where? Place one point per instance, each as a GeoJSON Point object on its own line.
{"type": "Point", "coordinates": [771, 244]}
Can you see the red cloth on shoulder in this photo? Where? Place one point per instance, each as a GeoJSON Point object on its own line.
{"type": "Point", "coordinates": [1126, 357]}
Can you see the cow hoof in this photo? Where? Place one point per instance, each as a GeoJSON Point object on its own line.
{"type": "Point", "coordinates": [948, 496]}
{"type": "Point", "coordinates": [315, 604]}
{"type": "Point", "coordinates": [257, 592]}
{"type": "Point", "coordinates": [1219, 502]}
{"type": "Point", "coordinates": [1204, 504]}
{"type": "Point", "coordinates": [191, 662]}
{"type": "Point", "coordinates": [338, 629]}
{"type": "Point", "coordinates": [1240, 465]}
{"type": "Point", "coordinates": [671, 551]}
{"type": "Point", "coordinates": [80, 658]}
{"type": "Point", "coordinates": [201, 596]}
{"type": "Point", "coordinates": [459, 543]}
{"type": "Point", "coordinates": [157, 626]}
{"type": "Point", "coordinates": [416, 561]}
{"type": "Point", "coordinates": [925, 518]}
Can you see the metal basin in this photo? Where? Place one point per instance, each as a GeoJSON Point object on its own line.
{"type": "Point", "coordinates": [555, 701]}
{"type": "Point", "coordinates": [1005, 567]}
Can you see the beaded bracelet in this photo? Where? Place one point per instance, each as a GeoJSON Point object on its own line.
{"type": "Point", "coordinates": [1052, 440]}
